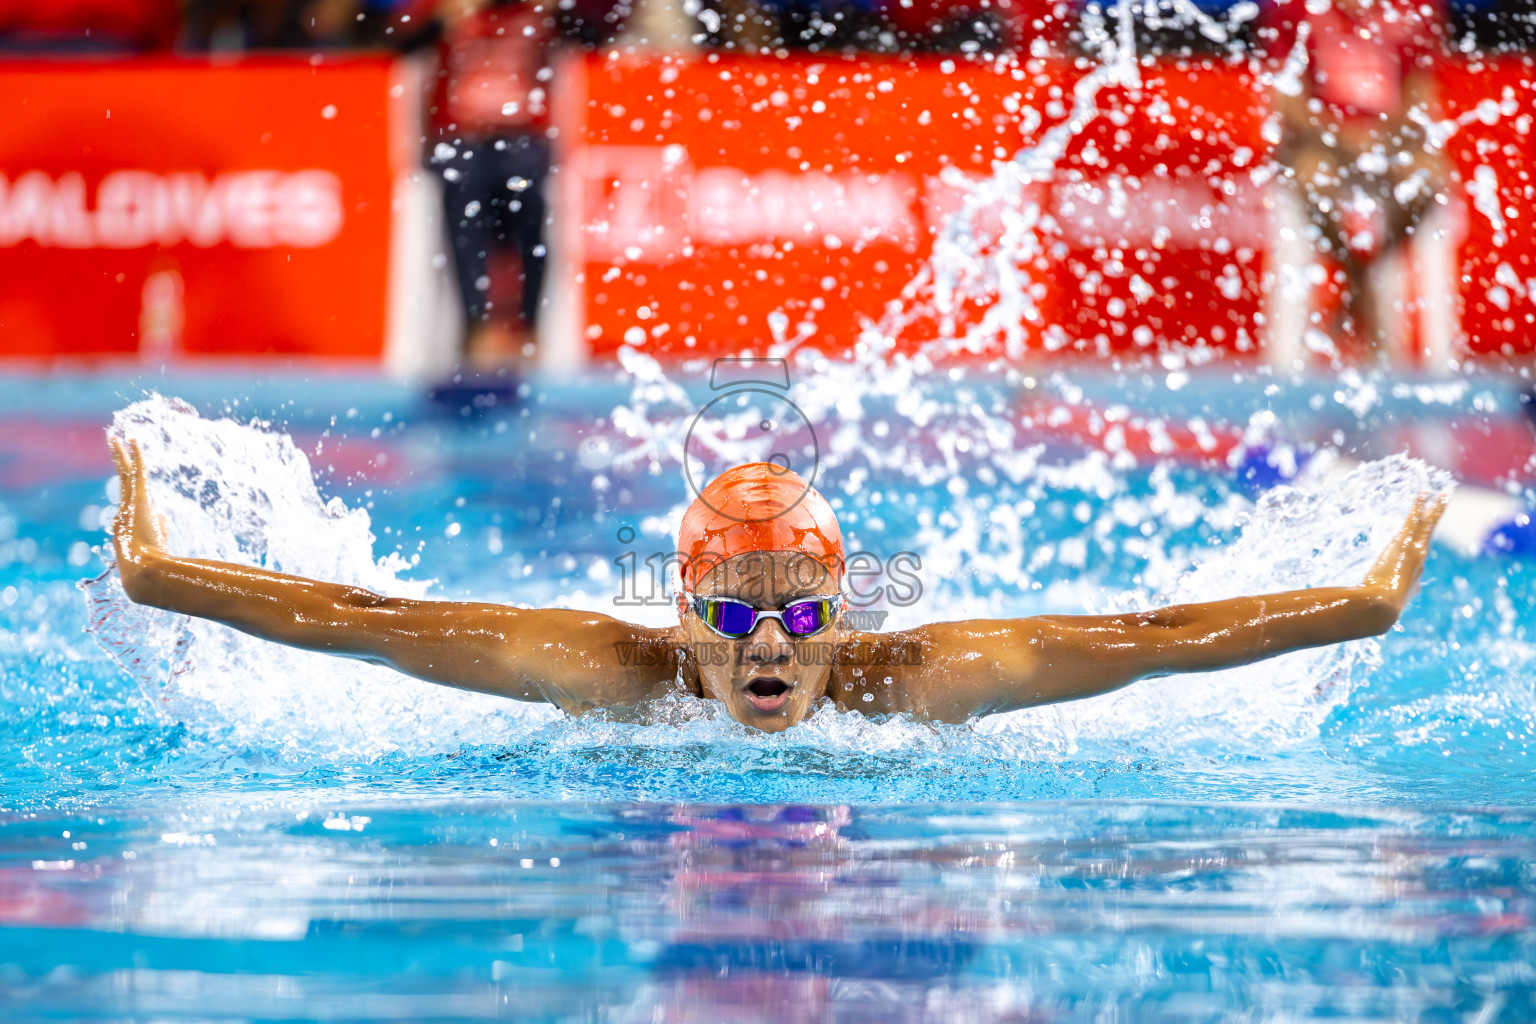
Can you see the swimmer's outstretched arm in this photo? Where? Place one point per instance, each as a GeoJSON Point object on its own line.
{"type": "Point", "coordinates": [578, 660]}
{"type": "Point", "coordinates": [980, 668]}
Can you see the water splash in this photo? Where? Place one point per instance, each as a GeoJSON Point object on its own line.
{"type": "Point", "coordinates": [982, 252]}
{"type": "Point", "coordinates": [1294, 538]}
{"type": "Point", "coordinates": [243, 493]}
{"type": "Point", "coordinates": [240, 492]}
{"type": "Point", "coordinates": [976, 293]}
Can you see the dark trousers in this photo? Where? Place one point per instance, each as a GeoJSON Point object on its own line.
{"type": "Point", "coordinates": [493, 193]}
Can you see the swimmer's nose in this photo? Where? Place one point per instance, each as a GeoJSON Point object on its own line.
{"type": "Point", "coordinates": [770, 644]}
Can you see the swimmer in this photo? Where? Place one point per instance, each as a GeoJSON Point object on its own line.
{"type": "Point", "coordinates": [761, 627]}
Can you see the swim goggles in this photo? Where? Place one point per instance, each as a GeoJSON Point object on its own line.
{"type": "Point", "coordinates": [735, 620]}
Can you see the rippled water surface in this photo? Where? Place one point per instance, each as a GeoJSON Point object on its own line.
{"type": "Point", "coordinates": [1004, 912]}
{"type": "Point", "coordinates": [200, 826]}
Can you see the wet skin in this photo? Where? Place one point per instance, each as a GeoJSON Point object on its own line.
{"type": "Point", "coordinates": [580, 661]}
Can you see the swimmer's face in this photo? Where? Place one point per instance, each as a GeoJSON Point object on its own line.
{"type": "Point", "coordinates": [770, 678]}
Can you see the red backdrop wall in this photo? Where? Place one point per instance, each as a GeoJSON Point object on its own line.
{"type": "Point", "coordinates": [235, 209]}
{"type": "Point", "coordinates": [167, 207]}
{"type": "Point", "coordinates": [707, 197]}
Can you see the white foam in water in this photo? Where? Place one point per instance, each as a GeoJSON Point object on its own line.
{"type": "Point", "coordinates": [241, 493]}
{"type": "Point", "coordinates": [1293, 539]}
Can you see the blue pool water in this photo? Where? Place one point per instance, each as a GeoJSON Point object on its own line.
{"type": "Point", "coordinates": [226, 831]}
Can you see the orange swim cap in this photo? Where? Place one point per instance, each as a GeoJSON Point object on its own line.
{"type": "Point", "coordinates": [760, 506]}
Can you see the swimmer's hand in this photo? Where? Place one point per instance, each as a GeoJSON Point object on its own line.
{"type": "Point", "coordinates": [137, 533]}
{"type": "Point", "coordinates": [1397, 571]}
{"type": "Point", "coordinates": [965, 669]}
{"type": "Point", "coordinates": [577, 660]}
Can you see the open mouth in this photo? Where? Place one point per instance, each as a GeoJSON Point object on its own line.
{"type": "Point", "coordinates": [768, 694]}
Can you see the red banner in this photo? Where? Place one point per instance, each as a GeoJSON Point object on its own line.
{"type": "Point", "coordinates": [166, 207]}
{"type": "Point", "coordinates": [704, 196]}
{"type": "Point", "coordinates": [174, 207]}
{"type": "Point", "coordinates": [1494, 153]}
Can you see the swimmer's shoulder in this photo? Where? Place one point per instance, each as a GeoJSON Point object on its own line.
{"type": "Point", "coordinates": [584, 661]}
{"type": "Point", "coordinates": [929, 670]}
{"type": "Point", "coordinates": [879, 673]}
{"type": "Point", "coordinates": [933, 646]}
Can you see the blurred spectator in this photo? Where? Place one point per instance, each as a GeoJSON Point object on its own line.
{"type": "Point", "coordinates": [660, 25]}
{"type": "Point", "coordinates": [1354, 93]}
{"type": "Point", "coordinates": [883, 26]}
{"type": "Point", "coordinates": [269, 24]}
{"type": "Point", "coordinates": [972, 26]}
{"type": "Point", "coordinates": [1494, 26]}
{"type": "Point", "coordinates": [746, 26]}
{"type": "Point", "coordinates": [766, 26]}
{"type": "Point", "coordinates": [85, 26]}
{"type": "Point", "coordinates": [488, 139]}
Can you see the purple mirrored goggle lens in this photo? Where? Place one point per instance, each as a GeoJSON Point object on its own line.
{"type": "Point", "coordinates": [737, 620]}
{"type": "Point", "coordinates": [807, 616]}
{"type": "Point", "coordinates": [733, 618]}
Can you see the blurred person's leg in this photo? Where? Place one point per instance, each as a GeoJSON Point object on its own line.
{"type": "Point", "coordinates": [1288, 304]}
{"type": "Point", "coordinates": [1386, 316]}
{"type": "Point", "coordinates": [1411, 191]}
{"type": "Point", "coordinates": [1424, 224]}
{"type": "Point", "coordinates": [818, 25]}
{"type": "Point", "coordinates": [747, 26]}
{"type": "Point", "coordinates": [1364, 209]}
{"type": "Point", "coordinates": [1348, 221]}
{"type": "Point", "coordinates": [1436, 279]}
{"type": "Point", "coordinates": [329, 22]}
{"type": "Point", "coordinates": [1391, 182]}
{"type": "Point", "coordinates": [661, 25]}
{"type": "Point", "coordinates": [523, 169]}
{"type": "Point", "coordinates": [1366, 260]}
{"type": "Point", "coordinates": [468, 184]}
{"type": "Point", "coordinates": [1319, 181]}
{"type": "Point", "coordinates": [1304, 226]}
